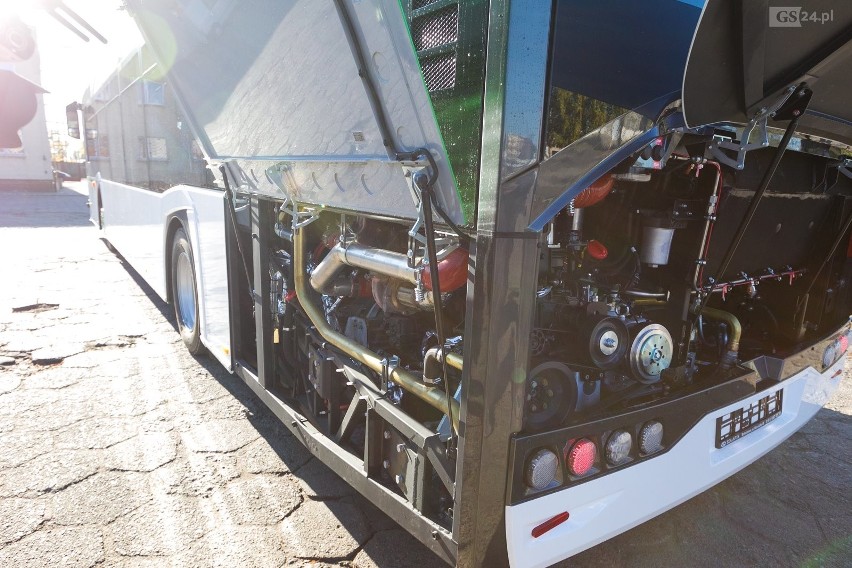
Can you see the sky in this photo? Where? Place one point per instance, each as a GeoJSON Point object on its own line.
{"type": "Point", "coordinates": [69, 65]}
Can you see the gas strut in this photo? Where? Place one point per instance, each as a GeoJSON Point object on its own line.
{"type": "Point", "coordinates": [424, 183]}
{"type": "Point", "coordinates": [793, 109]}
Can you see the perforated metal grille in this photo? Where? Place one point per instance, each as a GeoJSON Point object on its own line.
{"type": "Point", "coordinates": [416, 4]}
{"type": "Point", "coordinates": [436, 29]}
{"type": "Point", "coordinates": [439, 72]}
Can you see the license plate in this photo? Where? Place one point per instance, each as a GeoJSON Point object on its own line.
{"type": "Point", "coordinates": [734, 425]}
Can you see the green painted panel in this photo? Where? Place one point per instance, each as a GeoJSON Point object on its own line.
{"type": "Point", "coordinates": [450, 36]}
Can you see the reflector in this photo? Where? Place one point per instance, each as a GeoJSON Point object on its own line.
{"type": "Point", "coordinates": [541, 469]}
{"type": "Point", "coordinates": [550, 524]}
{"type": "Point", "coordinates": [651, 437]}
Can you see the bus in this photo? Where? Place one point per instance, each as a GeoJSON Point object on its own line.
{"type": "Point", "coordinates": [524, 273]}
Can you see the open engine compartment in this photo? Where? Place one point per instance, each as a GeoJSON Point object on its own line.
{"type": "Point", "coordinates": [624, 269]}
{"type": "Point", "coordinates": [621, 273]}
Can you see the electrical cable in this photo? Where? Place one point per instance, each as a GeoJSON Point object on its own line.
{"type": "Point", "coordinates": [432, 255]}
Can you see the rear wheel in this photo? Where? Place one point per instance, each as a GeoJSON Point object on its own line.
{"type": "Point", "coordinates": [185, 292]}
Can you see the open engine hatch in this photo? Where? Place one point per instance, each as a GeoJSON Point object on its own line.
{"type": "Point", "coordinates": [745, 54]}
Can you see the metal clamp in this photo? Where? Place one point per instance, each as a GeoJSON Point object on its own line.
{"type": "Point", "coordinates": [846, 168]}
{"type": "Point", "coordinates": [742, 147]}
{"type": "Point", "coordinates": [390, 390]}
{"type": "Point", "coordinates": [299, 218]}
{"type": "Point", "coordinates": [389, 365]}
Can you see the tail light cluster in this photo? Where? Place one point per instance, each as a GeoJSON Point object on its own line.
{"type": "Point", "coordinates": [835, 350]}
{"type": "Point", "coordinates": [585, 457]}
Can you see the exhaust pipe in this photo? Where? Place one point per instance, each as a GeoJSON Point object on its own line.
{"type": "Point", "coordinates": [411, 383]}
{"type": "Point", "coordinates": [383, 262]}
{"type": "Point", "coordinates": [452, 269]}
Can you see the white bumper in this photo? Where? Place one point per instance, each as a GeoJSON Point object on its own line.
{"type": "Point", "coordinates": [605, 507]}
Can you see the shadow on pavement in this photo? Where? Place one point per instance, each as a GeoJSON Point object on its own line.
{"type": "Point", "coordinates": [292, 452]}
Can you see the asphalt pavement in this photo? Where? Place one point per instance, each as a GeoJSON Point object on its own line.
{"type": "Point", "coordinates": [118, 448]}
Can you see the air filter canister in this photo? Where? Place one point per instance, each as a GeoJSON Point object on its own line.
{"type": "Point", "coordinates": [657, 236]}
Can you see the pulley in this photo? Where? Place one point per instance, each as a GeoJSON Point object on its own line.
{"type": "Point", "coordinates": [650, 353]}
{"type": "Point", "coordinates": [608, 342]}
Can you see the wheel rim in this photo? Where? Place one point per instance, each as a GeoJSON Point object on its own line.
{"type": "Point", "coordinates": [185, 292]}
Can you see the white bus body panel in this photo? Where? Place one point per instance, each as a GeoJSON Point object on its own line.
{"type": "Point", "coordinates": [606, 507]}
{"type": "Point", "coordinates": [135, 224]}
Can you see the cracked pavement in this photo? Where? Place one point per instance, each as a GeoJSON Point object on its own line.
{"type": "Point", "coordinates": [118, 448]}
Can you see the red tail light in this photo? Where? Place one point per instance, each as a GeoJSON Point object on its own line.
{"type": "Point", "coordinates": [580, 457]}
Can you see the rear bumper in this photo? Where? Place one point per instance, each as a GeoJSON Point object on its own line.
{"type": "Point", "coordinates": [602, 508]}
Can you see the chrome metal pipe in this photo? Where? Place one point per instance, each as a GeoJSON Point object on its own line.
{"type": "Point", "coordinates": [384, 262]}
{"type": "Point", "coordinates": [642, 294]}
{"type": "Point", "coordinates": [408, 381]}
{"type": "Point", "coordinates": [432, 363]}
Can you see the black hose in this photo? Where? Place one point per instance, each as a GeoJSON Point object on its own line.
{"type": "Point", "coordinates": [433, 201]}
{"type": "Point", "coordinates": [432, 255]}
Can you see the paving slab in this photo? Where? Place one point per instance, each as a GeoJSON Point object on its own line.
{"type": "Point", "coordinates": [69, 547]}
{"type": "Point", "coordinates": [19, 517]}
{"type": "Point", "coordinates": [162, 527]}
{"type": "Point", "coordinates": [259, 499]}
{"type": "Point", "coordinates": [144, 452]}
{"type": "Point", "coordinates": [49, 472]}
{"type": "Point", "coordinates": [331, 530]}
{"type": "Point", "coordinates": [99, 499]}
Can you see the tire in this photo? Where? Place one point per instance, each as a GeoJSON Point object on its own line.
{"type": "Point", "coordinates": [185, 292]}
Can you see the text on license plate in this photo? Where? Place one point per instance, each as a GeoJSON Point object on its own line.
{"type": "Point", "coordinates": [736, 424]}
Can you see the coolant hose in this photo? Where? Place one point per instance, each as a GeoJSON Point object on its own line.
{"type": "Point", "coordinates": [352, 348]}
{"type": "Point", "coordinates": [729, 359]}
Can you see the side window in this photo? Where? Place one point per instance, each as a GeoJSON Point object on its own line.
{"type": "Point", "coordinates": [97, 144]}
{"type": "Point", "coordinates": [151, 148]}
{"type": "Point", "coordinates": [153, 93]}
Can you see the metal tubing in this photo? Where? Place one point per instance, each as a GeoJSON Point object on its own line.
{"type": "Point", "coordinates": [384, 262]}
{"type": "Point", "coordinates": [664, 296]}
{"type": "Point", "coordinates": [403, 378]}
{"type": "Point", "coordinates": [577, 220]}
{"type": "Point", "coordinates": [432, 363]}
